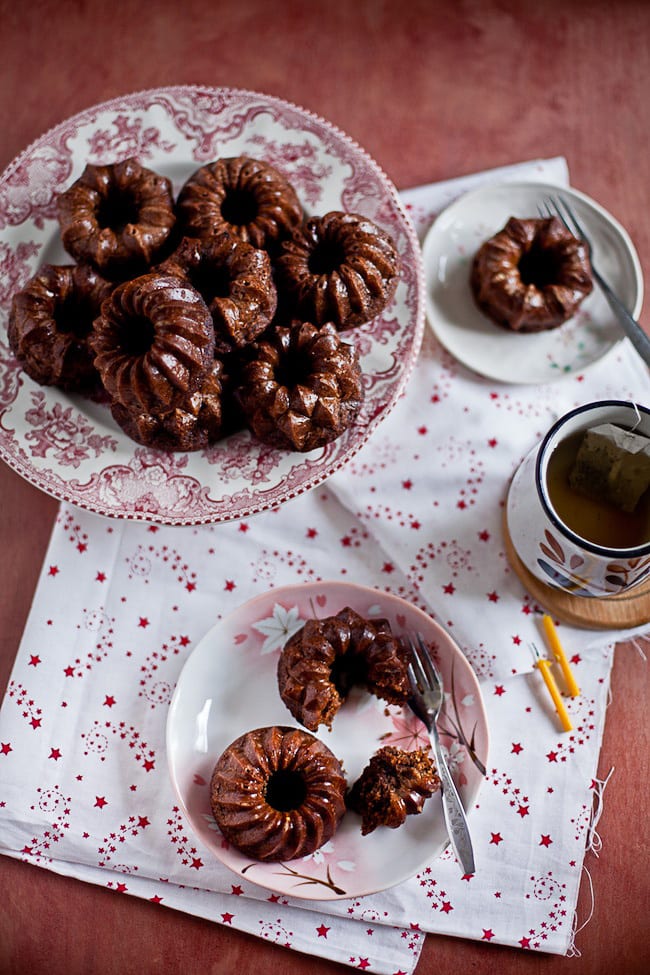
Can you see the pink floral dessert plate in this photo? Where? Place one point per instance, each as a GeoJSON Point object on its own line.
{"type": "Point", "coordinates": [228, 686]}
{"type": "Point", "coordinates": [69, 446]}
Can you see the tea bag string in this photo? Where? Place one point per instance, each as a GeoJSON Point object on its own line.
{"type": "Point", "coordinates": [638, 417]}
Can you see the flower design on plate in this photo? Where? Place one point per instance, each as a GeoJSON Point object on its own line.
{"type": "Point", "coordinates": [64, 431]}
{"type": "Point", "coordinates": [129, 137]}
{"type": "Point", "coordinates": [278, 627]}
{"type": "Point", "coordinates": [302, 879]}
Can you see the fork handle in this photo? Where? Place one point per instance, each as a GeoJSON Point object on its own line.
{"type": "Point", "coordinates": [453, 811]}
{"type": "Point", "coordinates": [630, 326]}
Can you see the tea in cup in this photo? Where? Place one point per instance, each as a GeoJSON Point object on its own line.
{"type": "Point", "coordinates": [578, 507]}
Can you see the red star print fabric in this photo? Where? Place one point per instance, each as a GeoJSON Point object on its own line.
{"type": "Point", "coordinates": [120, 607]}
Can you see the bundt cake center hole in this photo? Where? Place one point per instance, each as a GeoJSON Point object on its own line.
{"type": "Point", "coordinates": [117, 209]}
{"type": "Point", "coordinates": [136, 337]}
{"type": "Point", "coordinates": [210, 280]}
{"type": "Point", "coordinates": [539, 267]}
{"type": "Point", "coordinates": [286, 790]}
{"type": "Point", "coordinates": [294, 368]}
{"type": "Point", "coordinates": [74, 316]}
{"type": "Point", "coordinates": [348, 670]}
{"type": "Point", "coordinates": [239, 207]}
{"type": "Point", "coordinates": [327, 256]}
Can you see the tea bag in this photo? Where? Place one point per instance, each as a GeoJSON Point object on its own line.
{"type": "Point", "coordinates": [612, 465]}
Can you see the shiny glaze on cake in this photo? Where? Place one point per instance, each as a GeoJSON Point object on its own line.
{"type": "Point", "coordinates": [532, 276]}
{"type": "Point", "coordinates": [322, 661]}
{"type": "Point", "coordinates": [246, 197]}
{"type": "Point", "coordinates": [153, 342]}
{"type": "Point", "coordinates": [236, 282]}
{"type": "Point", "coordinates": [50, 323]}
{"type": "Point", "coordinates": [277, 793]}
{"type": "Point", "coordinates": [194, 424]}
{"type": "Point", "coordinates": [117, 217]}
{"type": "Point", "coordinates": [339, 268]}
{"type": "Point", "coordinates": [301, 386]}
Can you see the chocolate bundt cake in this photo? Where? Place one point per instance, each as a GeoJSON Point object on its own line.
{"type": "Point", "coordinates": [339, 268]}
{"type": "Point", "coordinates": [50, 323]}
{"type": "Point", "coordinates": [301, 387]}
{"type": "Point", "coordinates": [532, 275]}
{"type": "Point", "coordinates": [393, 785]}
{"type": "Point", "coordinates": [153, 343]}
{"type": "Point", "coordinates": [322, 661]}
{"type": "Point", "coordinates": [235, 281]}
{"type": "Point", "coordinates": [246, 197]}
{"type": "Point", "coordinates": [193, 425]}
{"type": "Point", "coordinates": [277, 793]}
{"type": "Point", "coordinates": [117, 217]}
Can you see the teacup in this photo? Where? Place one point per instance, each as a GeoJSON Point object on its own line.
{"type": "Point", "coordinates": [551, 548]}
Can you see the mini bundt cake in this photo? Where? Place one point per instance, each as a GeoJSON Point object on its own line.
{"type": "Point", "coordinates": [153, 343]}
{"type": "Point", "coordinates": [246, 197]}
{"type": "Point", "coordinates": [339, 268]}
{"type": "Point", "coordinates": [393, 785]}
{"type": "Point", "coordinates": [193, 425]}
{"type": "Point", "coordinates": [322, 661]}
{"type": "Point", "coordinates": [301, 387]}
{"type": "Point", "coordinates": [117, 218]}
{"type": "Point", "coordinates": [50, 323]}
{"type": "Point", "coordinates": [532, 275]}
{"type": "Point", "coordinates": [277, 793]}
{"type": "Point", "coordinates": [236, 282]}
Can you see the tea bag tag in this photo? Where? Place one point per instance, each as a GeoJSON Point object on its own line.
{"type": "Point", "coordinates": [612, 465]}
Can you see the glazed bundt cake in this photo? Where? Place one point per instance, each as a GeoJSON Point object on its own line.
{"type": "Point", "coordinates": [277, 793]}
{"type": "Point", "coordinates": [153, 343]}
{"type": "Point", "coordinates": [235, 281]}
{"type": "Point", "coordinates": [322, 661]}
{"type": "Point", "coordinates": [394, 784]}
{"type": "Point", "coordinates": [246, 197]}
{"type": "Point", "coordinates": [193, 425]}
{"type": "Point", "coordinates": [117, 218]}
{"type": "Point", "coordinates": [532, 275]}
{"type": "Point", "coordinates": [301, 386]}
{"type": "Point", "coordinates": [339, 268]}
{"type": "Point", "coordinates": [50, 323]}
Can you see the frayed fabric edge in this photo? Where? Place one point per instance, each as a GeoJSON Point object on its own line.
{"type": "Point", "coordinates": [594, 845]}
{"type": "Point", "coordinates": [594, 842]}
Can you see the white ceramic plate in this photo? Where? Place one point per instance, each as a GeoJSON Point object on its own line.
{"type": "Point", "coordinates": [70, 446]}
{"type": "Point", "coordinates": [477, 342]}
{"type": "Point", "coordinates": [228, 686]}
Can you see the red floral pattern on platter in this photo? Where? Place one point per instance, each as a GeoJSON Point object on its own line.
{"type": "Point", "coordinates": [125, 138]}
{"type": "Point", "coordinates": [46, 436]}
{"type": "Point", "coordinates": [28, 190]}
{"type": "Point", "coordinates": [63, 431]}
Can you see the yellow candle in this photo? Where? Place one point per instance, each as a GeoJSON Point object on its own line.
{"type": "Point", "coordinates": [559, 654]}
{"type": "Point", "coordinates": [545, 667]}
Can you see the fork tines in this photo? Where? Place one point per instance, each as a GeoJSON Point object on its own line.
{"type": "Point", "coordinates": [422, 667]}
{"type": "Point", "coordinates": [557, 206]}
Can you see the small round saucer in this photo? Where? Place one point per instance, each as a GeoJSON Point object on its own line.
{"type": "Point", "coordinates": [497, 353]}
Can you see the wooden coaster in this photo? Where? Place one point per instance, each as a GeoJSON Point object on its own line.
{"type": "Point", "coordinates": [594, 613]}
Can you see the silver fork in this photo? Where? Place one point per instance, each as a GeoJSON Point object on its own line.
{"type": "Point", "coordinates": [427, 695]}
{"type": "Point", "coordinates": [558, 206]}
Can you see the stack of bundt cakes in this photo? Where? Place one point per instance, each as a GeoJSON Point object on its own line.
{"type": "Point", "coordinates": [196, 315]}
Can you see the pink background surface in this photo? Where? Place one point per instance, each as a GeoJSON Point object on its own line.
{"type": "Point", "coordinates": [432, 91]}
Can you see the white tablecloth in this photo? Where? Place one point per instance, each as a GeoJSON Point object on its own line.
{"type": "Point", "coordinates": [84, 788]}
